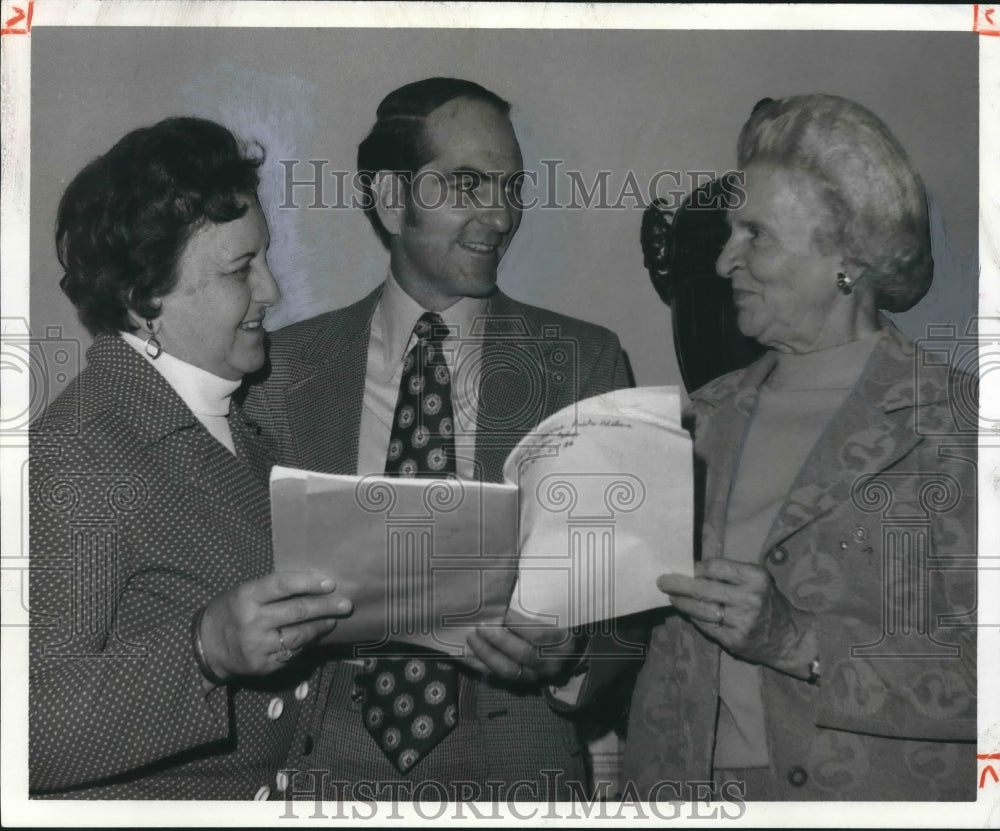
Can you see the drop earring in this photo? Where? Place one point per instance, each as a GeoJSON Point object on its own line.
{"type": "Point", "coordinates": [153, 347]}
{"type": "Point", "coordinates": [844, 283]}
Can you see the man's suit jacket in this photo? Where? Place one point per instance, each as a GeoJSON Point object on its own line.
{"type": "Point", "coordinates": [138, 518]}
{"type": "Point", "coordinates": [534, 363]}
{"type": "Point", "coordinates": [877, 539]}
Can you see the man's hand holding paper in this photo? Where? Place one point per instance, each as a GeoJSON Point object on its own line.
{"type": "Point", "coordinates": [523, 651]}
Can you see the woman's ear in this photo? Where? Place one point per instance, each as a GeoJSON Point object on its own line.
{"type": "Point", "coordinates": [389, 200]}
{"type": "Point", "coordinates": [143, 324]}
{"type": "Point", "coordinates": [136, 321]}
{"type": "Point", "coordinates": [850, 276]}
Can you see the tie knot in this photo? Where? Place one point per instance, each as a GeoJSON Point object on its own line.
{"type": "Point", "coordinates": [431, 327]}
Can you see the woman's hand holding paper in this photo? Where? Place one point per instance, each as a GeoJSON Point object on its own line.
{"type": "Point", "coordinates": [259, 625]}
{"type": "Point", "coordinates": [738, 606]}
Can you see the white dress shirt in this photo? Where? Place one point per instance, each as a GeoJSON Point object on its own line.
{"type": "Point", "coordinates": [391, 339]}
{"type": "Point", "coordinates": [208, 396]}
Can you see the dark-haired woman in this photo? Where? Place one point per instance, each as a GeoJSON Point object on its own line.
{"type": "Point", "coordinates": [167, 660]}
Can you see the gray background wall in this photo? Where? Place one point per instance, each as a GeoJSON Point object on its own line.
{"type": "Point", "coordinates": [621, 101]}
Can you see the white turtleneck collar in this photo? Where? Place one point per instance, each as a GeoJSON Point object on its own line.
{"type": "Point", "coordinates": [208, 396]}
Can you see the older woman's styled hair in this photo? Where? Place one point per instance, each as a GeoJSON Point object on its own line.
{"type": "Point", "coordinates": [125, 218]}
{"type": "Point", "coordinates": [398, 141]}
{"type": "Point", "coordinates": [875, 197]}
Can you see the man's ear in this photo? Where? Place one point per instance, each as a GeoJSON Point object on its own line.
{"type": "Point", "coordinates": [390, 198]}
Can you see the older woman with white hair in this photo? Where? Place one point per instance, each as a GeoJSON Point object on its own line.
{"type": "Point", "coordinates": [825, 646]}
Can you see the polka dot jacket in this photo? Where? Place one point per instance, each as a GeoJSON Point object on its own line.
{"type": "Point", "coordinates": [139, 517]}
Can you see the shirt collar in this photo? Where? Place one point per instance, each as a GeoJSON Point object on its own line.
{"type": "Point", "coordinates": [205, 393]}
{"type": "Point", "coordinates": [400, 313]}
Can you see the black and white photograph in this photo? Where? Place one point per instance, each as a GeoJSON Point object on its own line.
{"type": "Point", "coordinates": [464, 413]}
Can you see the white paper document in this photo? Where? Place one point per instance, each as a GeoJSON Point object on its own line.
{"type": "Point", "coordinates": [606, 506]}
{"type": "Point", "coordinates": [423, 560]}
{"type": "Point", "coordinates": [597, 502]}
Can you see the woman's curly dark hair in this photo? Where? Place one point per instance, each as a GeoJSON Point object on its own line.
{"type": "Point", "coordinates": [125, 218]}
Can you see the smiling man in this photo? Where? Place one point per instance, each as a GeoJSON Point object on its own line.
{"type": "Point", "coordinates": [435, 373]}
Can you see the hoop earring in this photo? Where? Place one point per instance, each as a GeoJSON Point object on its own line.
{"type": "Point", "coordinates": [844, 284]}
{"type": "Point", "coordinates": [153, 347]}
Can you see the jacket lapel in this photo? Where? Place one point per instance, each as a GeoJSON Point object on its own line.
{"type": "Point", "coordinates": [502, 390]}
{"type": "Point", "coordinates": [730, 425]}
{"type": "Point", "coordinates": [334, 390]}
{"type": "Point", "coordinates": [253, 452]}
{"type": "Point", "coordinates": [869, 433]}
{"type": "Point", "coordinates": [229, 480]}
{"type": "Point", "coordinates": [180, 446]}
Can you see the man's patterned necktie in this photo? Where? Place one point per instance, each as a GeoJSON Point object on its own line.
{"type": "Point", "coordinates": [411, 704]}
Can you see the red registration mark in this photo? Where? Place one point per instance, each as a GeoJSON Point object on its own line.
{"type": "Point", "coordinates": [986, 20]}
{"type": "Point", "coordinates": [989, 764]}
{"type": "Point", "coordinates": [17, 18]}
